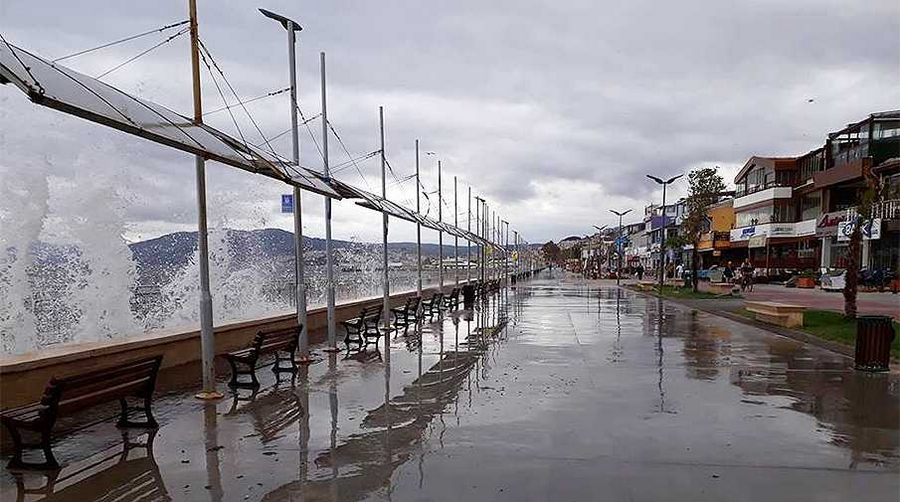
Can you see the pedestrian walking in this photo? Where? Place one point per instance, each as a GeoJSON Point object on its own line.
{"type": "Point", "coordinates": [747, 275]}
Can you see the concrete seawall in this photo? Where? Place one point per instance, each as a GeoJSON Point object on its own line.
{"type": "Point", "coordinates": [23, 377]}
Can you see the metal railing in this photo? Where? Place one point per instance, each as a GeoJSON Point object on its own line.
{"type": "Point", "coordinates": [742, 191]}
{"type": "Point", "coordinates": [886, 210]}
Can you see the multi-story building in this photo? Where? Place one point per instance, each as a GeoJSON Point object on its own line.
{"type": "Point", "coordinates": [715, 244]}
{"type": "Point", "coordinates": [769, 222]}
{"type": "Point", "coordinates": [659, 224]}
{"type": "Point", "coordinates": [870, 145]}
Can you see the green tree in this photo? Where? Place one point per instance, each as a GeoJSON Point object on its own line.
{"type": "Point", "coordinates": [876, 191]}
{"type": "Point", "coordinates": [705, 188]}
{"type": "Point", "coordinates": [551, 252]}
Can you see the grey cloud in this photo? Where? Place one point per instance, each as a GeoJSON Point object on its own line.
{"type": "Point", "coordinates": [583, 97]}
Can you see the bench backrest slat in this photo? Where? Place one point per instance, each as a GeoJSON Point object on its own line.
{"type": "Point", "coordinates": [267, 341]}
{"type": "Point", "coordinates": [87, 389]}
{"type": "Point", "coordinates": [102, 394]}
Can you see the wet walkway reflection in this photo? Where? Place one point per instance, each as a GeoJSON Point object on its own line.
{"type": "Point", "coordinates": [555, 389]}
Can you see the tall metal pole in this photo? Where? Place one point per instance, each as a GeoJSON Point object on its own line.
{"type": "Point", "coordinates": [662, 243]}
{"type": "Point", "coordinates": [329, 250]}
{"type": "Point", "coordinates": [299, 279]}
{"type": "Point", "coordinates": [455, 237]}
{"type": "Point", "coordinates": [418, 227]}
{"type": "Point", "coordinates": [207, 336]}
{"type": "Point", "coordinates": [506, 254]}
{"type": "Point", "coordinates": [469, 242]}
{"type": "Point", "coordinates": [516, 246]}
{"type": "Point", "coordinates": [386, 307]}
{"type": "Point", "coordinates": [479, 226]}
{"type": "Point", "coordinates": [440, 233]}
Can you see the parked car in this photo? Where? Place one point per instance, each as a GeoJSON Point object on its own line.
{"type": "Point", "coordinates": [834, 280]}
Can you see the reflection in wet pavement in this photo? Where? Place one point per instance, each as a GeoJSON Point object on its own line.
{"type": "Point", "coordinates": [557, 389]}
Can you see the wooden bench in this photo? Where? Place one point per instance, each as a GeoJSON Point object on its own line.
{"type": "Point", "coordinates": [780, 314]}
{"type": "Point", "coordinates": [277, 342]}
{"type": "Point", "coordinates": [65, 396]}
{"type": "Point", "coordinates": [433, 305]}
{"type": "Point", "coordinates": [451, 301]}
{"type": "Point", "coordinates": [408, 314]}
{"type": "Point", "coordinates": [363, 327]}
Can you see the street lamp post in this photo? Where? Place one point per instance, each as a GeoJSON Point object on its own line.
{"type": "Point", "coordinates": [619, 245]}
{"type": "Point", "coordinates": [600, 231]}
{"type": "Point", "coordinates": [292, 28]}
{"type": "Point", "coordinates": [662, 241]}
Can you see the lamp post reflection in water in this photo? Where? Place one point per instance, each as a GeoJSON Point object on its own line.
{"type": "Point", "coordinates": [303, 391]}
{"type": "Point", "coordinates": [333, 405]}
{"type": "Point", "coordinates": [659, 352]}
{"type": "Point", "coordinates": [387, 402]}
{"type": "Point", "coordinates": [211, 444]}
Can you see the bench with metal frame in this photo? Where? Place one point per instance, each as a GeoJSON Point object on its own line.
{"type": "Point", "coordinates": [363, 327]}
{"type": "Point", "coordinates": [432, 306]}
{"type": "Point", "coordinates": [407, 315]}
{"type": "Point", "coordinates": [66, 396]}
{"type": "Point", "coordinates": [282, 343]}
{"type": "Point", "coordinates": [451, 301]}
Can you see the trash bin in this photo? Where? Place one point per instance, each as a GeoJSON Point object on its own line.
{"type": "Point", "coordinates": [874, 334]}
{"type": "Point", "coordinates": [468, 296]}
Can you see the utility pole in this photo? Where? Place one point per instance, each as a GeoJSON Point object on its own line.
{"type": "Point", "coordinates": [619, 245]}
{"type": "Point", "coordinates": [207, 336]}
{"type": "Point", "coordinates": [469, 242]}
{"type": "Point", "coordinates": [455, 237]}
{"type": "Point", "coordinates": [329, 251]}
{"type": "Point", "coordinates": [299, 283]}
{"type": "Point", "coordinates": [386, 307]}
{"type": "Point", "coordinates": [662, 241]}
{"type": "Point", "coordinates": [418, 227]}
{"type": "Point", "coordinates": [440, 233]}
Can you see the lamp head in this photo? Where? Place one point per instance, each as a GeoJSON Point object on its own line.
{"type": "Point", "coordinates": [281, 19]}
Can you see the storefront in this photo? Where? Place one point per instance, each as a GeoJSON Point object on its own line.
{"type": "Point", "coordinates": [777, 249]}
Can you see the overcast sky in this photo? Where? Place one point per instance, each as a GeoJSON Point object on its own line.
{"type": "Point", "coordinates": [552, 111]}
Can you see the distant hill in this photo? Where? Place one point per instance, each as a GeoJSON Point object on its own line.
{"type": "Point", "coordinates": [156, 258]}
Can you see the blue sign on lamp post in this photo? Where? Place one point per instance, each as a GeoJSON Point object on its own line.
{"type": "Point", "coordinates": [287, 203]}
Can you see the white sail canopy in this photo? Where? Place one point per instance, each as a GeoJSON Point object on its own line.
{"type": "Point", "coordinates": [56, 86]}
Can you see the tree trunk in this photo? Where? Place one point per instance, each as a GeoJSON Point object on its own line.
{"type": "Point", "coordinates": [852, 277]}
{"type": "Point", "coordinates": [695, 257]}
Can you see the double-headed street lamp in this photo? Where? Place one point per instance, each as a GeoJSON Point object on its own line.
{"type": "Point", "coordinates": [600, 231]}
{"type": "Point", "coordinates": [662, 241]}
{"type": "Point", "coordinates": [619, 244]}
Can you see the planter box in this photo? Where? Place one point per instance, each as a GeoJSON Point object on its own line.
{"type": "Point", "coordinates": [806, 282]}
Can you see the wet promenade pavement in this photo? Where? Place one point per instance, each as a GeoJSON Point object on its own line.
{"type": "Point", "coordinates": [557, 390]}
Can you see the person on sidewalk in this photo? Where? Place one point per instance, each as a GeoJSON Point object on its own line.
{"type": "Point", "coordinates": [747, 275]}
{"type": "Point", "coordinates": [728, 273]}
{"type": "Point", "coordinates": [640, 271]}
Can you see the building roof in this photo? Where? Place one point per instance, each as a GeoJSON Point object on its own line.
{"type": "Point", "coordinates": [889, 114]}
{"type": "Point", "coordinates": [760, 161]}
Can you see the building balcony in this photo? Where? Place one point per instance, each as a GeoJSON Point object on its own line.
{"type": "Point", "coordinates": [770, 191]}
{"type": "Point", "coordinates": [886, 210]}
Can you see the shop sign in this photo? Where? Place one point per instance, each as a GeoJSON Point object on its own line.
{"type": "Point", "coordinates": [781, 231]}
{"type": "Point", "coordinates": [827, 224]}
{"type": "Point", "coordinates": [871, 230]}
{"type": "Point", "coordinates": [748, 232]}
{"type": "Point", "coordinates": [717, 252]}
{"type": "Point", "coordinates": [757, 241]}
